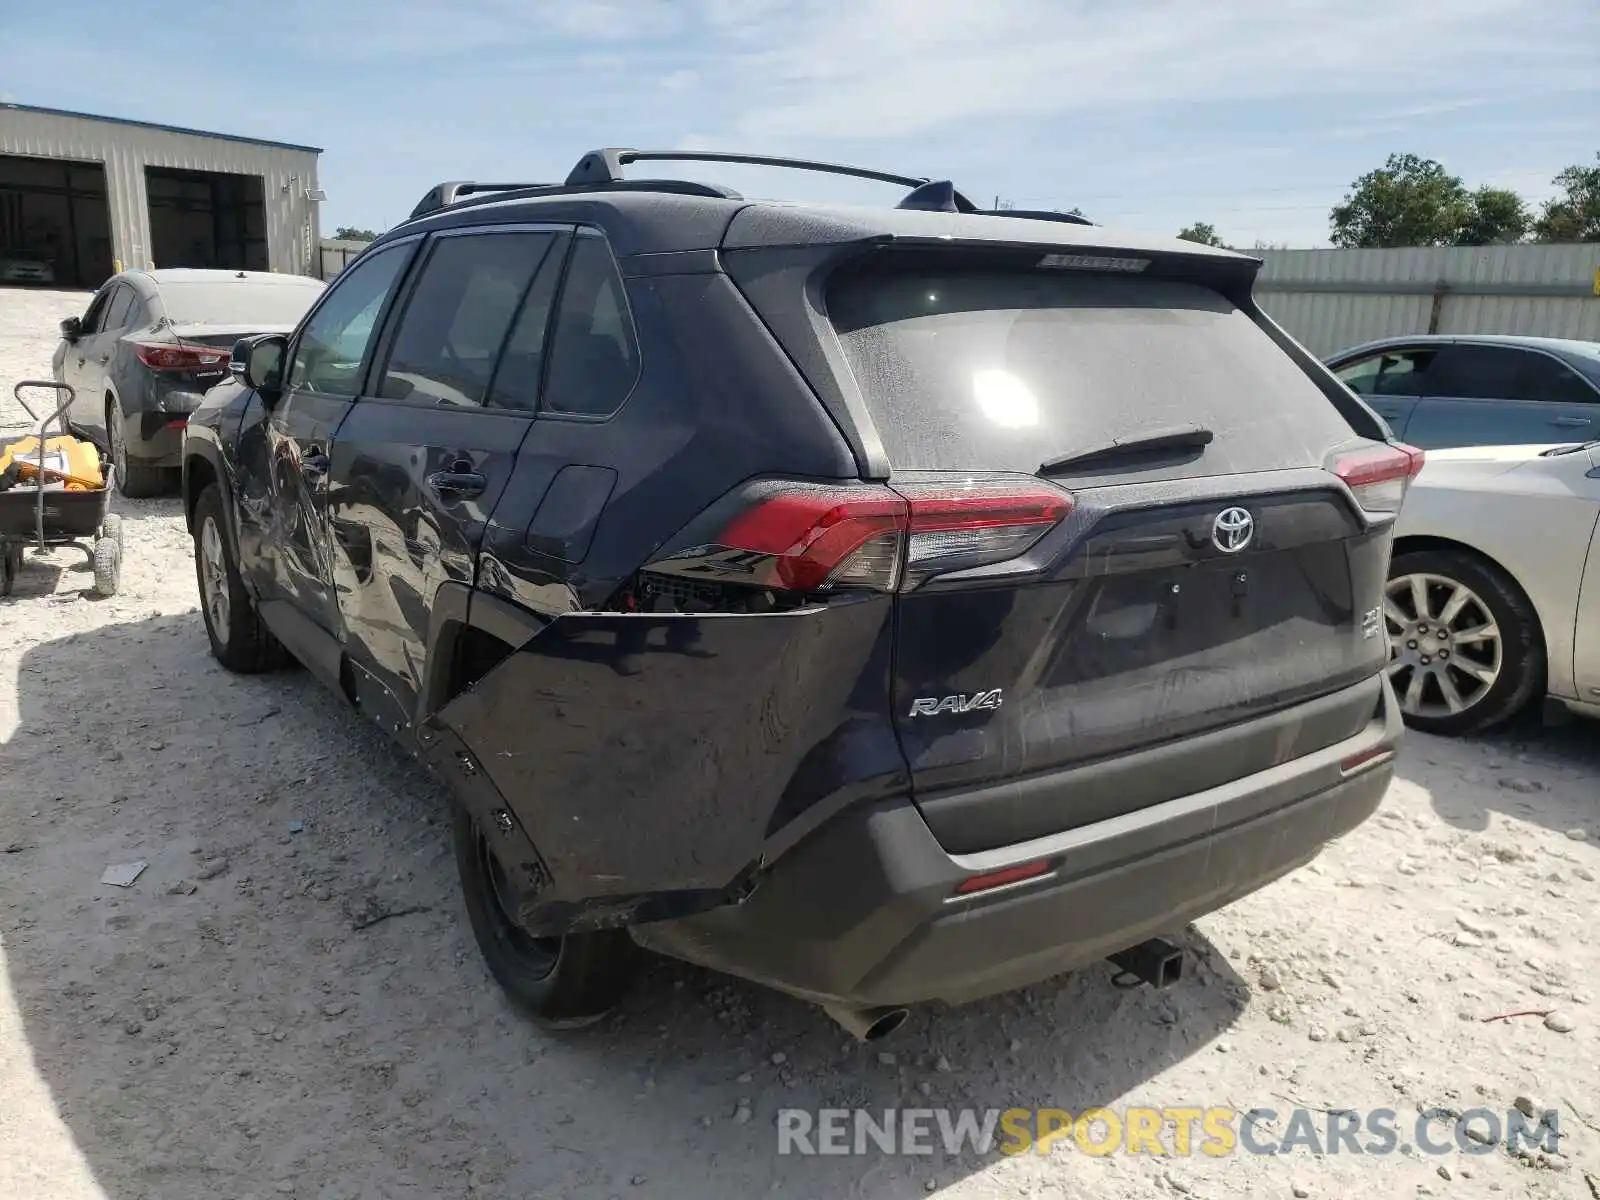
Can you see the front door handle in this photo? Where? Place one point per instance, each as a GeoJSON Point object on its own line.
{"type": "Point", "coordinates": [457, 485]}
{"type": "Point", "coordinates": [1571, 422]}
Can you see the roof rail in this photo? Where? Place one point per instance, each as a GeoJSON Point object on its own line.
{"type": "Point", "coordinates": [451, 190]}
{"type": "Point", "coordinates": [601, 170]}
{"type": "Point", "coordinates": [605, 167]}
{"type": "Point", "coordinates": [446, 195]}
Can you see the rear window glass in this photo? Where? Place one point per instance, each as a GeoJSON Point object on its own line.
{"type": "Point", "coordinates": [240, 303]}
{"type": "Point", "coordinates": [1001, 370]}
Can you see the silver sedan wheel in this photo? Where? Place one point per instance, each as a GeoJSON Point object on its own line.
{"type": "Point", "coordinates": [214, 579]}
{"type": "Point", "coordinates": [1445, 647]}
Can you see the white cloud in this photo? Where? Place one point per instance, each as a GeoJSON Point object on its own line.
{"type": "Point", "coordinates": [891, 68]}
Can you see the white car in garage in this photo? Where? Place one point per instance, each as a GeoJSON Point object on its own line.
{"type": "Point", "coordinates": [1493, 598]}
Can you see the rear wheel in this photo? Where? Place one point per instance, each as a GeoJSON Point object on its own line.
{"type": "Point", "coordinates": [135, 480]}
{"type": "Point", "coordinates": [1466, 651]}
{"type": "Point", "coordinates": [239, 640]}
{"type": "Point", "coordinates": [565, 982]}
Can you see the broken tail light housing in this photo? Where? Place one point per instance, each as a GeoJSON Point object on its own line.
{"type": "Point", "coordinates": [1379, 475]}
{"type": "Point", "coordinates": [812, 538]}
{"type": "Point", "coordinates": [165, 356]}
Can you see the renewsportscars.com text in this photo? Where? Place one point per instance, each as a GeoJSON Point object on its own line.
{"type": "Point", "coordinates": [1162, 1132]}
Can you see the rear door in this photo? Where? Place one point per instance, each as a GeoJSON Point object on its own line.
{"type": "Point", "coordinates": [424, 456]}
{"type": "Point", "coordinates": [1186, 589]}
{"type": "Point", "coordinates": [1391, 382]}
{"type": "Point", "coordinates": [1481, 395]}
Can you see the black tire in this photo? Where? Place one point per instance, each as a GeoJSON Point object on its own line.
{"type": "Point", "coordinates": [107, 566]}
{"type": "Point", "coordinates": [566, 982]}
{"type": "Point", "coordinates": [1522, 671]}
{"type": "Point", "coordinates": [239, 640]}
{"type": "Point", "coordinates": [135, 480]}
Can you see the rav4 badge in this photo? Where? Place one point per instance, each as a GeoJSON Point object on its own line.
{"type": "Point", "coordinates": [929, 706]}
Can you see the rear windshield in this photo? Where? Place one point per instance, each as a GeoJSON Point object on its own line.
{"type": "Point", "coordinates": [1001, 370]}
{"type": "Point", "coordinates": [241, 303]}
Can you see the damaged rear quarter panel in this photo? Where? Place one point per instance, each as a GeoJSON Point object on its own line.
{"type": "Point", "coordinates": [649, 754]}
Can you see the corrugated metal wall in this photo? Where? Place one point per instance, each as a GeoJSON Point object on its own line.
{"type": "Point", "coordinates": [337, 254]}
{"type": "Point", "coordinates": [126, 150]}
{"type": "Point", "coordinates": [1332, 299]}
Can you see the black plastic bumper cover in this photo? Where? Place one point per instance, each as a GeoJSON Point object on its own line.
{"type": "Point", "coordinates": [864, 911]}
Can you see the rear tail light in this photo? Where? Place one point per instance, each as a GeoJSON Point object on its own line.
{"type": "Point", "coordinates": [164, 356]}
{"type": "Point", "coordinates": [1379, 475]}
{"type": "Point", "coordinates": [811, 539]}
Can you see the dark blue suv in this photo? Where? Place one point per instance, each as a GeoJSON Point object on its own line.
{"type": "Point", "coordinates": [880, 604]}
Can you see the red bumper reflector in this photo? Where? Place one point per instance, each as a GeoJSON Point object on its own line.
{"type": "Point", "coordinates": [178, 423]}
{"type": "Point", "coordinates": [994, 879]}
{"type": "Point", "coordinates": [1367, 758]}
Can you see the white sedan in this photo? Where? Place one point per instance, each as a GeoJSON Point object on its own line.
{"type": "Point", "coordinates": [1493, 598]}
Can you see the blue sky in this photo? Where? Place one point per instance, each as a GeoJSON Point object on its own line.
{"type": "Point", "coordinates": [1254, 115]}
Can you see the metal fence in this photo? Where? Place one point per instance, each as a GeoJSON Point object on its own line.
{"type": "Point", "coordinates": [337, 255]}
{"type": "Point", "coordinates": [1332, 299]}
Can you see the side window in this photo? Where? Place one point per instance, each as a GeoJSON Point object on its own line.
{"type": "Point", "coordinates": [121, 305]}
{"type": "Point", "coordinates": [94, 316]}
{"type": "Point", "coordinates": [1544, 378]}
{"type": "Point", "coordinates": [1393, 373]}
{"type": "Point", "coordinates": [516, 379]}
{"type": "Point", "coordinates": [594, 354]}
{"type": "Point", "coordinates": [1477, 372]}
{"type": "Point", "coordinates": [459, 313]}
{"type": "Point", "coordinates": [333, 343]}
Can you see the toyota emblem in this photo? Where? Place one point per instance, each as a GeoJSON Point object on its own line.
{"type": "Point", "coordinates": [1232, 530]}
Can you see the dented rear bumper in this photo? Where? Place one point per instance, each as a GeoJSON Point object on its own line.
{"type": "Point", "coordinates": [865, 912]}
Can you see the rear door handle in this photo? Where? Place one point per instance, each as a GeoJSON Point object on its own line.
{"type": "Point", "coordinates": [457, 485]}
{"type": "Point", "coordinates": [1571, 422]}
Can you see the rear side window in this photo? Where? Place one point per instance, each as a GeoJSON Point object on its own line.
{"type": "Point", "coordinates": [458, 316]}
{"type": "Point", "coordinates": [1544, 378]}
{"type": "Point", "coordinates": [1392, 373]}
{"type": "Point", "coordinates": [594, 354]}
{"type": "Point", "coordinates": [120, 309]}
{"type": "Point", "coordinates": [1002, 370]}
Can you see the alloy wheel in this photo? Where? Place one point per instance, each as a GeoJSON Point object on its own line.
{"type": "Point", "coordinates": [1445, 646]}
{"type": "Point", "coordinates": [214, 576]}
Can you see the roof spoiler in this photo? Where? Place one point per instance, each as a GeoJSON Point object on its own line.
{"type": "Point", "coordinates": [602, 170]}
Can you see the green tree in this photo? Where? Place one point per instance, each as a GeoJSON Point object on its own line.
{"type": "Point", "coordinates": [349, 233]}
{"type": "Point", "coordinates": [1574, 216]}
{"type": "Point", "coordinates": [1409, 201]}
{"type": "Point", "coordinates": [1202, 232]}
{"type": "Point", "coordinates": [1495, 215]}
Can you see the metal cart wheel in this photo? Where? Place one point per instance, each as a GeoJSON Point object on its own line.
{"type": "Point", "coordinates": [10, 564]}
{"type": "Point", "coordinates": [107, 566]}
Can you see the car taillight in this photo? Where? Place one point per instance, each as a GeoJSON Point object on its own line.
{"type": "Point", "coordinates": [816, 538]}
{"type": "Point", "coordinates": [164, 356]}
{"type": "Point", "coordinates": [1378, 476]}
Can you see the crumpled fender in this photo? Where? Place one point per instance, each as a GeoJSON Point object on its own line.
{"type": "Point", "coordinates": [635, 766]}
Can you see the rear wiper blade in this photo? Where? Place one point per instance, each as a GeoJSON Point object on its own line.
{"type": "Point", "coordinates": [1182, 437]}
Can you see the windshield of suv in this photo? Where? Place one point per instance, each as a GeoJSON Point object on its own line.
{"type": "Point", "coordinates": [1000, 370]}
{"type": "Point", "coordinates": [239, 303]}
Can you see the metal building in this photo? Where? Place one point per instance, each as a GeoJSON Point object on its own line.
{"type": "Point", "coordinates": [1333, 299]}
{"type": "Point", "coordinates": [82, 197]}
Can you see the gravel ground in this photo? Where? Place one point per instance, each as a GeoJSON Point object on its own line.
{"type": "Point", "coordinates": [232, 1025]}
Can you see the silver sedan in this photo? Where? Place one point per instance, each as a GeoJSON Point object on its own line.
{"type": "Point", "coordinates": [1493, 598]}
